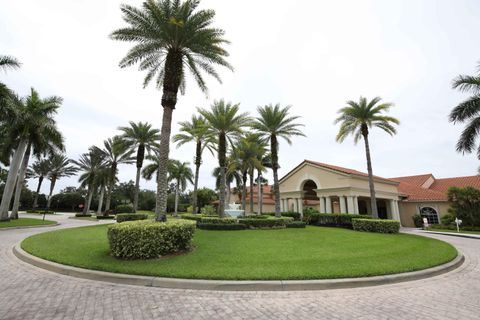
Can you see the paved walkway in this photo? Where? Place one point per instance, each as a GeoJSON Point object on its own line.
{"type": "Point", "coordinates": [31, 293]}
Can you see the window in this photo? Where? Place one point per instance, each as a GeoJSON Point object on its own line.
{"type": "Point", "coordinates": [430, 214]}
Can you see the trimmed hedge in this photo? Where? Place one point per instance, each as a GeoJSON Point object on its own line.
{"type": "Point", "coordinates": [149, 239]}
{"type": "Point", "coordinates": [376, 225]}
{"type": "Point", "coordinates": [191, 216]}
{"type": "Point", "coordinates": [40, 211]}
{"type": "Point", "coordinates": [296, 224]}
{"type": "Point", "coordinates": [453, 227]}
{"type": "Point", "coordinates": [266, 223]}
{"type": "Point", "coordinates": [105, 217]}
{"type": "Point", "coordinates": [294, 215]}
{"type": "Point", "coordinates": [124, 208]}
{"type": "Point", "coordinates": [334, 219]}
{"type": "Point", "coordinates": [81, 215]}
{"type": "Point", "coordinates": [255, 216]}
{"type": "Point", "coordinates": [217, 220]}
{"type": "Point", "coordinates": [122, 217]}
{"type": "Point", "coordinates": [221, 226]}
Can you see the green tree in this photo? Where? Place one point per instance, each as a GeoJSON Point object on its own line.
{"type": "Point", "coordinates": [231, 175]}
{"type": "Point", "coordinates": [205, 196]}
{"type": "Point", "coordinates": [142, 137]}
{"type": "Point", "coordinates": [356, 119]}
{"type": "Point", "coordinates": [273, 123]}
{"type": "Point", "coordinates": [39, 169]}
{"type": "Point", "coordinates": [225, 121]}
{"type": "Point", "coordinates": [171, 37]}
{"type": "Point", "coordinates": [181, 174]}
{"type": "Point", "coordinates": [465, 204]}
{"type": "Point", "coordinates": [198, 132]}
{"type": "Point", "coordinates": [59, 167]}
{"type": "Point", "coordinates": [468, 111]}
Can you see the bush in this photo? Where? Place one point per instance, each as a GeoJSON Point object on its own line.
{"type": "Point", "coordinates": [209, 211]}
{"type": "Point", "coordinates": [296, 224]}
{"type": "Point", "coordinates": [334, 219]}
{"type": "Point", "coordinates": [81, 215]}
{"type": "Point", "coordinates": [100, 217]}
{"type": "Point", "coordinates": [217, 220]}
{"type": "Point", "coordinates": [221, 226]}
{"type": "Point", "coordinates": [453, 227]}
{"type": "Point", "coordinates": [131, 217]}
{"type": "Point", "coordinates": [308, 211]}
{"type": "Point", "coordinates": [255, 216]}
{"type": "Point", "coordinates": [271, 222]}
{"type": "Point", "coordinates": [294, 215]}
{"type": "Point", "coordinates": [149, 239]}
{"type": "Point", "coordinates": [41, 211]}
{"type": "Point", "coordinates": [448, 219]}
{"type": "Point", "coordinates": [376, 225]}
{"type": "Point", "coordinates": [191, 216]}
{"type": "Point", "coordinates": [417, 220]}
{"type": "Point", "coordinates": [124, 208]}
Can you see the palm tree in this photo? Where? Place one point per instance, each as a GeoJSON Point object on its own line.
{"type": "Point", "coordinates": [195, 131]}
{"type": "Point", "coordinates": [266, 161]}
{"type": "Point", "coordinates": [273, 123]}
{"type": "Point", "coordinates": [225, 121]}
{"type": "Point", "coordinates": [142, 137]}
{"type": "Point", "coordinates": [171, 36]}
{"type": "Point", "coordinates": [59, 167]}
{"type": "Point", "coordinates": [231, 175]}
{"type": "Point", "coordinates": [39, 169]}
{"type": "Point", "coordinates": [181, 174]}
{"type": "Point", "coordinates": [31, 124]}
{"type": "Point", "coordinates": [357, 118]}
{"type": "Point", "coordinates": [102, 180]}
{"type": "Point", "coordinates": [116, 152]}
{"type": "Point", "coordinates": [8, 62]}
{"type": "Point", "coordinates": [468, 111]}
{"type": "Point", "coordinates": [91, 164]}
{"type": "Point", "coordinates": [152, 168]}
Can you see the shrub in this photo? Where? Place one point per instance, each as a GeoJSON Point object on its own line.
{"type": "Point", "coordinates": [209, 211]}
{"type": "Point", "coordinates": [296, 224]}
{"type": "Point", "coordinates": [417, 220]}
{"type": "Point", "coordinates": [191, 216]}
{"type": "Point", "coordinates": [266, 223]}
{"type": "Point", "coordinates": [448, 219]}
{"type": "Point", "coordinates": [41, 211]}
{"type": "Point", "coordinates": [100, 217]}
{"type": "Point", "coordinates": [149, 239]}
{"type": "Point", "coordinates": [294, 215]}
{"type": "Point", "coordinates": [122, 217]}
{"type": "Point", "coordinates": [221, 226]}
{"type": "Point", "coordinates": [308, 211]}
{"type": "Point", "coordinates": [81, 215]}
{"type": "Point", "coordinates": [124, 208]}
{"type": "Point", "coordinates": [255, 216]}
{"type": "Point", "coordinates": [334, 219]}
{"type": "Point", "coordinates": [453, 227]}
{"type": "Point", "coordinates": [217, 220]}
{"type": "Point", "coordinates": [376, 225]}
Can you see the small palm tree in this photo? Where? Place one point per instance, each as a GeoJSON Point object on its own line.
{"type": "Point", "coordinates": [273, 123]}
{"type": "Point", "coordinates": [198, 132]}
{"type": "Point", "coordinates": [8, 62]}
{"type": "Point", "coordinates": [152, 168]}
{"type": "Point", "coordinates": [39, 169]}
{"type": "Point", "coordinates": [231, 175]}
{"type": "Point", "coordinates": [171, 37]}
{"type": "Point", "coordinates": [468, 111]}
{"type": "Point", "coordinates": [356, 119]}
{"type": "Point", "coordinates": [142, 137]}
{"type": "Point", "coordinates": [181, 174]}
{"type": "Point", "coordinates": [225, 121]}
{"type": "Point", "coordinates": [59, 167]}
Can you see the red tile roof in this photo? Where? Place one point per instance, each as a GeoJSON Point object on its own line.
{"type": "Point", "coordinates": [442, 185]}
{"type": "Point", "coordinates": [417, 180]}
{"type": "Point", "coordinates": [345, 170]}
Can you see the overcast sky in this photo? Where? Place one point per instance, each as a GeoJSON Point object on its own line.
{"type": "Point", "coordinates": [312, 55]}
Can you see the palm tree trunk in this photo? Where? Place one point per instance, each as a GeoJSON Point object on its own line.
{"type": "Point", "coordinates": [52, 185]}
{"type": "Point", "coordinates": [88, 200]}
{"type": "Point", "coordinates": [177, 187]}
{"type": "Point", "coordinates": [373, 200]}
{"type": "Point", "coordinates": [276, 187]}
{"type": "Point", "coordinates": [100, 201]}
{"type": "Point", "coordinates": [108, 197]}
{"type": "Point", "coordinates": [162, 182]}
{"type": "Point", "coordinates": [198, 162]}
{"type": "Point", "coordinates": [35, 200]}
{"type": "Point", "coordinates": [244, 191]}
{"type": "Point", "coordinates": [11, 179]}
{"type": "Point", "coordinates": [222, 160]}
{"type": "Point", "coordinates": [20, 184]}
{"type": "Point", "coordinates": [137, 189]}
{"type": "Point", "coordinates": [228, 192]}
{"type": "Point", "coordinates": [251, 191]}
{"type": "Point", "coordinates": [259, 193]}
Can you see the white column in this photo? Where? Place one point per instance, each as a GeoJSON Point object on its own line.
{"type": "Point", "coordinates": [295, 205]}
{"type": "Point", "coordinates": [396, 210]}
{"type": "Point", "coordinates": [281, 204]}
{"type": "Point", "coordinates": [328, 205]}
{"type": "Point", "coordinates": [322, 204]}
{"type": "Point", "coordinates": [355, 205]}
{"type": "Point", "coordinates": [350, 205]}
{"type": "Point", "coordinates": [300, 207]}
{"type": "Point", "coordinates": [343, 208]}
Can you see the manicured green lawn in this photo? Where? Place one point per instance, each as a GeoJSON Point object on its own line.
{"type": "Point", "coordinates": [311, 253]}
{"type": "Point", "coordinates": [24, 222]}
{"type": "Point", "coordinates": [453, 231]}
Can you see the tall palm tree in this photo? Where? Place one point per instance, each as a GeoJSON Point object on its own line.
{"type": "Point", "coordinates": [468, 111]}
{"type": "Point", "coordinates": [32, 122]}
{"type": "Point", "coordinates": [152, 168]}
{"type": "Point", "coordinates": [59, 167]}
{"type": "Point", "coordinates": [8, 62]}
{"type": "Point", "coordinates": [116, 152]}
{"type": "Point", "coordinates": [39, 169]}
{"type": "Point", "coordinates": [198, 132]}
{"type": "Point", "coordinates": [142, 137]}
{"type": "Point", "coordinates": [273, 123]}
{"type": "Point", "coordinates": [171, 36]}
{"type": "Point", "coordinates": [266, 161]}
{"type": "Point", "coordinates": [231, 175]}
{"type": "Point", "coordinates": [181, 174]}
{"type": "Point", "coordinates": [356, 119]}
{"type": "Point", "coordinates": [91, 164]}
{"type": "Point", "coordinates": [102, 180]}
{"type": "Point", "coordinates": [225, 121]}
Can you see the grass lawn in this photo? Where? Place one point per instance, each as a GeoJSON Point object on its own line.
{"type": "Point", "coordinates": [311, 253]}
{"type": "Point", "coordinates": [453, 231]}
{"type": "Point", "coordinates": [24, 222]}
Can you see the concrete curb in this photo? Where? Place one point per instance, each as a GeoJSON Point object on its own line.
{"type": "Point", "coordinates": [462, 235]}
{"type": "Point", "coordinates": [29, 227]}
{"type": "Point", "coordinates": [274, 285]}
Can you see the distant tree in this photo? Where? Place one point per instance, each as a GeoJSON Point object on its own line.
{"type": "Point", "coordinates": [181, 174]}
{"type": "Point", "coordinates": [59, 167]}
{"type": "Point", "coordinates": [39, 169]}
{"type": "Point", "coordinates": [465, 204]}
{"type": "Point", "coordinates": [205, 196]}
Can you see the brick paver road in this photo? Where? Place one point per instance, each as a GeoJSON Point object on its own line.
{"type": "Point", "coordinates": [27, 292]}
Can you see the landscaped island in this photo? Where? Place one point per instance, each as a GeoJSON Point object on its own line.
{"type": "Point", "coordinates": [25, 222]}
{"type": "Point", "coordinates": [310, 253]}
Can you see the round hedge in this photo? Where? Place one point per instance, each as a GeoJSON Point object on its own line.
{"type": "Point", "coordinates": [149, 239]}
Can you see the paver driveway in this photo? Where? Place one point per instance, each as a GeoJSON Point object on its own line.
{"type": "Point", "coordinates": [27, 292]}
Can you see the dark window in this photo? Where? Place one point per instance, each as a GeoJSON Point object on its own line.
{"type": "Point", "coordinates": [429, 213]}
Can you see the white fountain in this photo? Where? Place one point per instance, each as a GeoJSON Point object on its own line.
{"type": "Point", "coordinates": [234, 210]}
